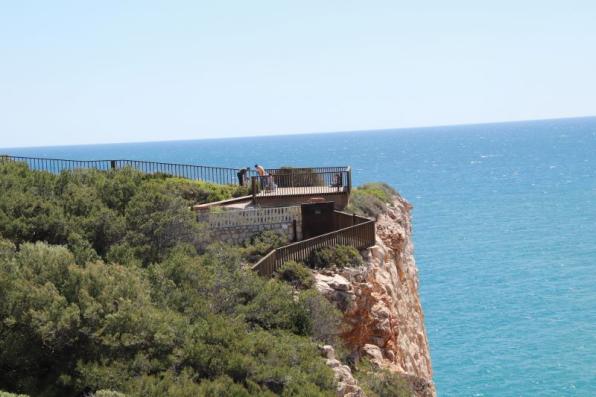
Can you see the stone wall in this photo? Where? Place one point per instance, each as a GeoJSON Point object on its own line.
{"type": "Point", "coordinates": [237, 226]}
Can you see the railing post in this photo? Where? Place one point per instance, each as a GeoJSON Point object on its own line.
{"type": "Point", "coordinates": [113, 164]}
{"type": "Point", "coordinates": [349, 171]}
{"type": "Point", "coordinates": [253, 180]}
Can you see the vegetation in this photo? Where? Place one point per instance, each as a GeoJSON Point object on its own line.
{"type": "Point", "coordinates": [371, 199]}
{"type": "Point", "coordinates": [109, 287]}
{"type": "Point", "coordinates": [100, 214]}
{"type": "Point", "coordinates": [376, 382]}
{"type": "Point", "coordinates": [5, 394]}
{"type": "Point", "coordinates": [296, 274]}
{"type": "Point", "coordinates": [338, 256]}
{"type": "Point", "coordinates": [263, 243]}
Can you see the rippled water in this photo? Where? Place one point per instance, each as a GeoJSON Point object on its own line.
{"type": "Point", "coordinates": [505, 234]}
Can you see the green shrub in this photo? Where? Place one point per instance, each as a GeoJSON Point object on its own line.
{"type": "Point", "coordinates": [6, 247]}
{"type": "Point", "coordinates": [275, 308]}
{"type": "Point", "coordinates": [92, 211]}
{"type": "Point", "coordinates": [157, 222]}
{"type": "Point", "coordinates": [123, 328]}
{"type": "Point", "coordinates": [189, 322]}
{"type": "Point", "coordinates": [108, 393]}
{"type": "Point", "coordinates": [381, 190]}
{"type": "Point", "coordinates": [199, 192]}
{"type": "Point", "coordinates": [263, 243]}
{"type": "Point", "coordinates": [338, 256]}
{"type": "Point", "coordinates": [6, 394]}
{"type": "Point", "coordinates": [371, 199]}
{"type": "Point", "coordinates": [324, 319]}
{"type": "Point", "coordinates": [298, 275]}
{"type": "Point", "coordinates": [376, 382]}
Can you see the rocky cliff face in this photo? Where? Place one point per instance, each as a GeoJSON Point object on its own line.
{"type": "Point", "coordinates": [381, 304]}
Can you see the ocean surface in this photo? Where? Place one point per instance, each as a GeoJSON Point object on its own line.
{"type": "Point", "coordinates": [505, 235]}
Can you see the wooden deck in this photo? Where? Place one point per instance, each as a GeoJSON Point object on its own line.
{"type": "Point", "coordinates": [302, 191]}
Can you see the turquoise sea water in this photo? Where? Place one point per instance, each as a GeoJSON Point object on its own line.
{"type": "Point", "coordinates": [505, 234]}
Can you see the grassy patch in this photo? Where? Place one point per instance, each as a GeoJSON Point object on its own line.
{"type": "Point", "coordinates": [371, 199]}
{"type": "Point", "coordinates": [377, 382]}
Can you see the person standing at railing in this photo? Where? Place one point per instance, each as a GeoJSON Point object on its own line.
{"type": "Point", "coordinates": [266, 179]}
{"type": "Point", "coordinates": [260, 170]}
{"type": "Point", "coordinates": [243, 176]}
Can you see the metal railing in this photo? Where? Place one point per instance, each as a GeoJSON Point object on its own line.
{"type": "Point", "coordinates": [286, 170]}
{"type": "Point", "coordinates": [294, 181]}
{"type": "Point", "coordinates": [360, 235]}
{"type": "Point", "coordinates": [302, 181]}
{"type": "Point", "coordinates": [219, 175]}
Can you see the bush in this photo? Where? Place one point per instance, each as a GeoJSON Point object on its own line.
{"type": "Point", "coordinates": [93, 211]}
{"type": "Point", "coordinates": [377, 382]}
{"type": "Point", "coordinates": [107, 393]}
{"type": "Point", "coordinates": [72, 329]}
{"type": "Point", "coordinates": [275, 308]}
{"type": "Point", "coordinates": [371, 199]}
{"type": "Point", "coordinates": [324, 319]}
{"type": "Point", "coordinates": [296, 274]}
{"type": "Point", "coordinates": [338, 256]}
{"type": "Point", "coordinates": [158, 221]}
{"type": "Point", "coordinates": [263, 243]}
{"type": "Point", "coordinates": [163, 318]}
{"type": "Point", "coordinates": [6, 394]}
{"type": "Point", "coordinates": [380, 190]}
{"type": "Point", "coordinates": [199, 192]}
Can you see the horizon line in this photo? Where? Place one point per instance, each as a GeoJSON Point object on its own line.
{"type": "Point", "coordinates": [308, 133]}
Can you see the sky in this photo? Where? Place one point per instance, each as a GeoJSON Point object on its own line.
{"type": "Point", "coordinates": [78, 72]}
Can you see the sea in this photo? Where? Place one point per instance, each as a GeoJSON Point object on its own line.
{"type": "Point", "coordinates": [504, 231]}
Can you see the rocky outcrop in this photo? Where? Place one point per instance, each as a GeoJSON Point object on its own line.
{"type": "Point", "coordinates": [346, 384]}
{"type": "Point", "coordinates": [381, 305]}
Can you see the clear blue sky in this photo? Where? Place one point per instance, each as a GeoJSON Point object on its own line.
{"type": "Point", "coordinates": [76, 72]}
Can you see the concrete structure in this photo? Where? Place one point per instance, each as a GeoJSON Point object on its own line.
{"type": "Point", "coordinates": [235, 226]}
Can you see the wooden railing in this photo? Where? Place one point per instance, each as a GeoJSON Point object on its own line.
{"type": "Point", "coordinates": [343, 219]}
{"type": "Point", "coordinates": [219, 175]}
{"type": "Point", "coordinates": [302, 181]}
{"type": "Point", "coordinates": [359, 235]}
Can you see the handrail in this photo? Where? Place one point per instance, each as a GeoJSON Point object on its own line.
{"type": "Point", "coordinates": [219, 175]}
{"type": "Point", "coordinates": [322, 176]}
{"type": "Point", "coordinates": [294, 182]}
{"type": "Point", "coordinates": [360, 236]}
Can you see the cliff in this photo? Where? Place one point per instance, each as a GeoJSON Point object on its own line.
{"type": "Point", "coordinates": [381, 304]}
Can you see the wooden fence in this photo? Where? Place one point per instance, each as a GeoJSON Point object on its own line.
{"type": "Point", "coordinates": [343, 219]}
{"type": "Point", "coordinates": [359, 235]}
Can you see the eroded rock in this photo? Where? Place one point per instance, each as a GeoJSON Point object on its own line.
{"type": "Point", "coordinates": [381, 304]}
{"type": "Point", "coordinates": [346, 384]}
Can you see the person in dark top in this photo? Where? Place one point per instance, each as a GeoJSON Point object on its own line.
{"type": "Point", "coordinates": [242, 176]}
